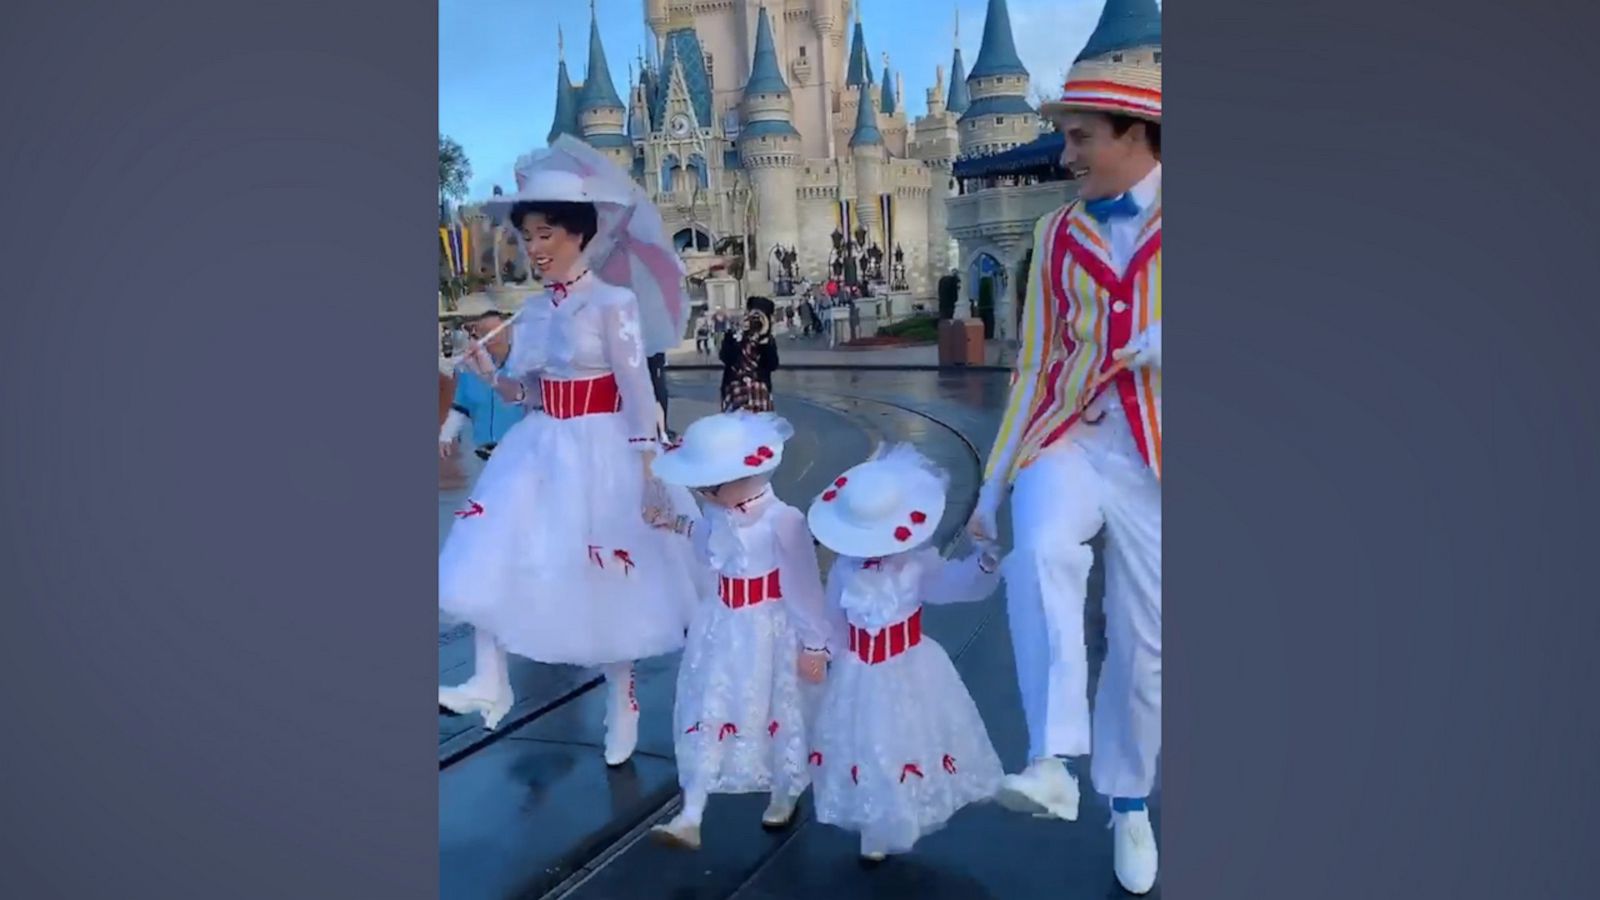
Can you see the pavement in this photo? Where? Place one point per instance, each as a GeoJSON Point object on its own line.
{"type": "Point", "coordinates": [532, 810]}
{"type": "Point", "coordinates": [813, 351]}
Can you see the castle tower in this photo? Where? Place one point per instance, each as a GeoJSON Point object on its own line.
{"type": "Point", "coordinates": [999, 116]}
{"type": "Point", "coordinates": [1126, 27]}
{"type": "Point", "coordinates": [769, 148]}
{"type": "Point", "coordinates": [867, 156]}
{"type": "Point", "coordinates": [566, 117]}
{"type": "Point", "coordinates": [601, 112]}
{"type": "Point", "coordinates": [957, 99]}
{"type": "Point", "coordinates": [891, 119]}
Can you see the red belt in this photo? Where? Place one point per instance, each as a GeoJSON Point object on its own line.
{"type": "Point", "coordinates": [890, 642]}
{"type": "Point", "coordinates": [581, 397]}
{"type": "Point", "coordinates": [737, 593]}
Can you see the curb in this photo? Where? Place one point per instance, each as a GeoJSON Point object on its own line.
{"type": "Point", "coordinates": [864, 367]}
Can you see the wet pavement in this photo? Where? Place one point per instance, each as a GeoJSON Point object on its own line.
{"type": "Point", "coordinates": [532, 810]}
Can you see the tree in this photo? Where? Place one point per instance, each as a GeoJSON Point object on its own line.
{"type": "Point", "coordinates": [454, 171]}
{"type": "Point", "coordinates": [1040, 93]}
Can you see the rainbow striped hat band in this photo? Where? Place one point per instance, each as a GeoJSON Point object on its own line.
{"type": "Point", "coordinates": [1099, 85]}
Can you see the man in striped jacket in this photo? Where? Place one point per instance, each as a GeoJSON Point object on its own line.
{"type": "Point", "coordinates": [1080, 447]}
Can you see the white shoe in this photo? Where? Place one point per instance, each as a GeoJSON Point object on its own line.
{"type": "Point", "coordinates": [622, 723]}
{"type": "Point", "coordinates": [493, 701]}
{"type": "Point", "coordinates": [1134, 851]}
{"type": "Point", "coordinates": [780, 812]}
{"type": "Point", "coordinates": [871, 857]}
{"type": "Point", "coordinates": [1045, 789]}
{"type": "Point", "coordinates": [679, 833]}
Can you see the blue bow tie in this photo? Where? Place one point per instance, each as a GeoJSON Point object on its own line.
{"type": "Point", "coordinates": [1107, 208]}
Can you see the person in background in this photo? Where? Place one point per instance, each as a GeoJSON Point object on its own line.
{"type": "Point", "coordinates": [657, 364]}
{"type": "Point", "coordinates": [702, 337]}
{"type": "Point", "coordinates": [749, 358]}
{"type": "Point", "coordinates": [475, 402]}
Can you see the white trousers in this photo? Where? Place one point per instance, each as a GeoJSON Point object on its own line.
{"type": "Point", "coordinates": [1058, 504]}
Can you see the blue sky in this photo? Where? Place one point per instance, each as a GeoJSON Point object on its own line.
{"type": "Point", "coordinates": [497, 59]}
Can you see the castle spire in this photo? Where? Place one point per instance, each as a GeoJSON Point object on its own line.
{"type": "Point", "coordinates": [957, 99]}
{"type": "Point", "coordinates": [888, 105]}
{"type": "Point", "coordinates": [866, 133]}
{"type": "Point", "coordinates": [997, 55]}
{"type": "Point", "coordinates": [566, 117]}
{"type": "Point", "coordinates": [1123, 25]}
{"type": "Point", "coordinates": [765, 76]}
{"type": "Point", "coordinates": [860, 72]}
{"type": "Point", "coordinates": [599, 91]}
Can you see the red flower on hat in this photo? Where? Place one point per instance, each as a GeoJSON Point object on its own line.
{"type": "Point", "coordinates": [816, 757]}
{"type": "Point", "coordinates": [753, 461]}
{"type": "Point", "coordinates": [764, 451]}
{"type": "Point", "coordinates": [950, 764]}
{"type": "Point", "coordinates": [918, 517]}
{"type": "Point", "coordinates": [828, 495]}
{"type": "Point", "coordinates": [727, 729]}
{"type": "Point", "coordinates": [902, 533]}
{"type": "Point", "coordinates": [840, 481]}
{"type": "Point", "coordinates": [855, 774]}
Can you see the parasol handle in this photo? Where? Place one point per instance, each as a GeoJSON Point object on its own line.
{"type": "Point", "coordinates": [483, 342]}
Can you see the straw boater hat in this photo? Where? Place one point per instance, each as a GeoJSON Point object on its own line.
{"type": "Point", "coordinates": [724, 447]}
{"type": "Point", "coordinates": [887, 505]}
{"type": "Point", "coordinates": [1119, 70]}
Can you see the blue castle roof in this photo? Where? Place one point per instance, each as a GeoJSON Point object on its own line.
{"type": "Point", "coordinates": [765, 77]}
{"type": "Point", "coordinates": [1123, 25]}
{"type": "Point", "coordinates": [599, 92]}
{"type": "Point", "coordinates": [997, 55]}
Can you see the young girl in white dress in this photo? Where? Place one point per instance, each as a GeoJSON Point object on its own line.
{"type": "Point", "coordinates": [552, 558]}
{"type": "Point", "coordinates": [898, 745]}
{"type": "Point", "coordinates": [739, 714]}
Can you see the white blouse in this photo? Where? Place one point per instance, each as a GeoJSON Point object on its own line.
{"type": "Point", "coordinates": [769, 534]}
{"type": "Point", "coordinates": [592, 331]}
{"type": "Point", "coordinates": [891, 589]}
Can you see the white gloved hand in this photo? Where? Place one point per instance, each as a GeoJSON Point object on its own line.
{"type": "Point", "coordinates": [1145, 348]}
{"type": "Point", "coordinates": [982, 525]}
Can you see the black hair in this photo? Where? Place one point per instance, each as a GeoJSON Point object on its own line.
{"type": "Point", "coordinates": [574, 218]}
{"type": "Point", "coordinates": [762, 304]}
{"type": "Point", "coordinates": [1152, 130]}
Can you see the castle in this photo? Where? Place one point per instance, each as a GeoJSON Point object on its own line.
{"type": "Point", "coordinates": [753, 118]}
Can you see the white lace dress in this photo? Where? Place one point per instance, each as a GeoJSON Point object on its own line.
{"type": "Point", "coordinates": [551, 553]}
{"type": "Point", "coordinates": [898, 745]}
{"type": "Point", "coordinates": [740, 713]}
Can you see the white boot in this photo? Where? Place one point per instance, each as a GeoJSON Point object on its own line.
{"type": "Point", "coordinates": [780, 812]}
{"type": "Point", "coordinates": [622, 714]}
{"type": "Point", "coordinates": [488, 691]}
{"type": "Point", "coordinates": [1134, 851]}
{"type": "Point", "coordinates": [1045, 788]}
{"type": "Point", "coordinates": [681, 832]}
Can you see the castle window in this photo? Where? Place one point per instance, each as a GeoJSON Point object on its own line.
{"type": "Point", "coordinates": [1116, 57]}
{"type": "Point", "coordinates": [999, 120]}
{"type": "Point", "coordinates": [802, 51]}
{"type": "Point", "coordinates": [710, 70]}
{"type": "Point", "coordinates": [1158, 56]}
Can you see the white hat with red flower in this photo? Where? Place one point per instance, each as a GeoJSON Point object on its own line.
{"type": "Point", "coordinates": [887, 505]}
{"type": "Point", "coordinates": [724, 447]}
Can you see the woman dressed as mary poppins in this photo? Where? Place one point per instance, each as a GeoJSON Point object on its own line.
{"type": "Point", "coordinates": [552, 558]}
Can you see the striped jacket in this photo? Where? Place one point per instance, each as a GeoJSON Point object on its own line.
{"type": "Point", "coordinates": [1076, 313]}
